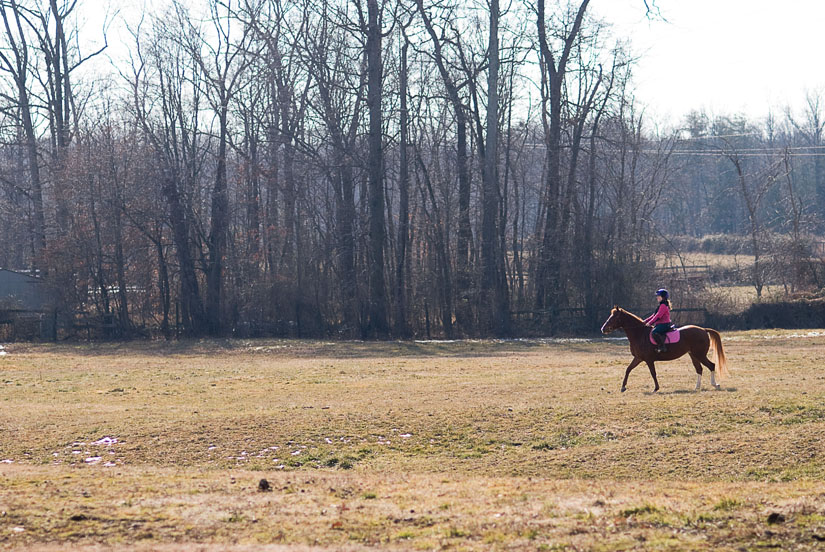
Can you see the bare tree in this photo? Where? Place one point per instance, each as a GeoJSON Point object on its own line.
{"type": "Point", "coordinates": [16, 61]}
{"type": "Point", "coordinates": [222, 56]}
{"type": "Point", "coordinates": [401, 327]}
{"type": "Point", "coordinates": [812, 129]}
{"type": "Point", "coordinates": [371, 27]}
{"type": "Point", "coordinates": [753, 187]}
{"type": "Point", "coordinates": [494, 295]}
{"type": "Point", "coordinates": [167, 111]}
{"type": "Point", "coordinates": [340, 79]}
{"type": "Point", "coordinates": [553, 71]}
{"type": "Point", "coordinates": [453, 88]}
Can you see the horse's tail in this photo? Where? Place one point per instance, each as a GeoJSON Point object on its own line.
{"type": "Point", "coordinates": [721, 360]}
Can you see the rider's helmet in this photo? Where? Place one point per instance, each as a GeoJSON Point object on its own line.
{"type": "Point", "coordinates": [663, 292]}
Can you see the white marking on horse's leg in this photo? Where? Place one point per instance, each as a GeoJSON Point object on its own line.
{"type": "Point", "coordinates": [698, 381]}
{"type": "Point", "coordinates": [713, 380]}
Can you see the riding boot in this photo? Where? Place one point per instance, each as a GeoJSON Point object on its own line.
{"type": "Point", "coordinates": [660, 340]}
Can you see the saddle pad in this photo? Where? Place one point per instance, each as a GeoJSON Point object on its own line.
{"type": "Point", "coordinates": [670, 337]}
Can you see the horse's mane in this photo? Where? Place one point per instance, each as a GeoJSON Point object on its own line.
{"type": "Point", "coordinates": [631, 315]}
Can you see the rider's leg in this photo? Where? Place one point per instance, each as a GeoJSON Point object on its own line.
{"type": "Point", "coordinates": [660, 340]}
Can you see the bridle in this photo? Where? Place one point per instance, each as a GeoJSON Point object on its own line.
{"type": "Point", "coordinates": [611, 324]}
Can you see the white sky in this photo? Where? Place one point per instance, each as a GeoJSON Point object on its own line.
{"type": "Point", "coordinates": [726, 56]}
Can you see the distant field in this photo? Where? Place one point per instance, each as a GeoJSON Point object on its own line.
{"type": "Point", "coordinates": [739, 298]}
{"type": "Point", "coordinates": [716, 260]}
{"type": "Point", "coordinates": [726, 297]}
{"type": "Point", "coordinates": [523, 445]}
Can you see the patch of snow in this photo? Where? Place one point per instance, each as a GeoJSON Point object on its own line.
{"type": "Point", "coordinates": [106, 441]}
{"type": "Point", "coordinates": [93, 459]}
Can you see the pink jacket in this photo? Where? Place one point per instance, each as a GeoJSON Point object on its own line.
{"type": "Point", "coordinates": [661, 316]}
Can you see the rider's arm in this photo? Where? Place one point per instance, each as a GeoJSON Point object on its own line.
{"type": "Point", "coordinates": [660, 314]}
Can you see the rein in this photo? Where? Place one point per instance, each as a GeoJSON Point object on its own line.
{"type": "Point", "coordinates": [635, 321]}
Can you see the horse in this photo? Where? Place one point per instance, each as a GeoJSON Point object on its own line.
{"type": "Point", "coordinates": [694, 340]}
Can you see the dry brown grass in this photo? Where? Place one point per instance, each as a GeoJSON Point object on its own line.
{"type": "Point", "coordinates": [715, 260]}
{"type": "Point", "coordinates": [469, 445]}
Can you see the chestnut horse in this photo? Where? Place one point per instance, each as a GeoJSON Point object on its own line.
{"type": "Point", "coordinates": [694, 341]}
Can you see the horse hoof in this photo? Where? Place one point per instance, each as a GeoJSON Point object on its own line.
{"type": "Point", "coordinates": [718, 387]}
{"type": "Point", "coordinates": [624, 389]}
{"type": "Point", "coordinates": [656, 390]}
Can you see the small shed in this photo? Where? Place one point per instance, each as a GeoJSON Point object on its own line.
{"type": "Point", "coordinates": [22, 291]}
{"type": "Point", "coordinates": [26, 308]}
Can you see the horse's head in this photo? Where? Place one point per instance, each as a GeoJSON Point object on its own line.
{"type": "Point", "coordinates": [614, 322]}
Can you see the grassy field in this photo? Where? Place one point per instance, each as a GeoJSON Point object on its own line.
{"type": "Point", "coordinates": [725, 296]}
{"type": "Point", "coordinates": [522, 445]}
{"type": "Point", "coordinates": [715, 260]}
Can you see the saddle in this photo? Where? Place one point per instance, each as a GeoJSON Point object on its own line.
{"type": "Point", "coordinates": [673, 336]}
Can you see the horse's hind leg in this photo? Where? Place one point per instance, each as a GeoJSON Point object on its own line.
{"type": "Point", "coordinates": [712, 367]}
{"type": "Point", "coordinates": [697, 365]}
{"type": "Point", "coordinates": [633, 363]}
{"type": "Point", "coordinates": [653, 374]}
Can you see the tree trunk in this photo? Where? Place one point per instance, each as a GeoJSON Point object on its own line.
{"type": "Point", "coordinates": [494, 297]}
{"type": "Point", "coordinates": [253, 205]}
{"type": "Point", "coordinates": [120, 262]}
{"type": "Point", "coordinates": [219, 227]}
{"type": "Point", "coordinates": [378, 295]}
{"type": "Point", "coordinates": [345, 214]}
{"type": "Point", "coordinates": [401, 328]}
{"type": "Point", "coordinates": [163, 286]}
{"type": "Point", "coordinates": [191, 304]}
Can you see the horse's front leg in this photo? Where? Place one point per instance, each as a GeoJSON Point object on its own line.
{"type": "Point", "coordinates": [653, 374]}
{"type": "Point", "coordinates": [633, 363]}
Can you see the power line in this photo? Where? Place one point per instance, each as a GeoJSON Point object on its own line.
{"type": "Point", "coordinates": [758, 150]}
{"type": "Point", "coordinates": [766, 149]}
{"type": "Point", "coordinates": [710, 137]}
{"type": "Point", "coordinates": [722, 154]}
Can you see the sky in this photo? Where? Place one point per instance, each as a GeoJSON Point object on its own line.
{"type": "Point", "coordinates": [724, 56]}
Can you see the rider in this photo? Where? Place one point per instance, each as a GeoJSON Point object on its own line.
{"type": "Point", "coordinates": [660, 320]}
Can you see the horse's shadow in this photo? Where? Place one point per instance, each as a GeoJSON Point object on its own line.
{"type": "Point", "coordinates": [692, 391]}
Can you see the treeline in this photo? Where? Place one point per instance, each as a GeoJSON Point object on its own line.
{"type": "Point", "coordinates": [359, 168]}
{"type": "Point", "coordinates": [755, 189]}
